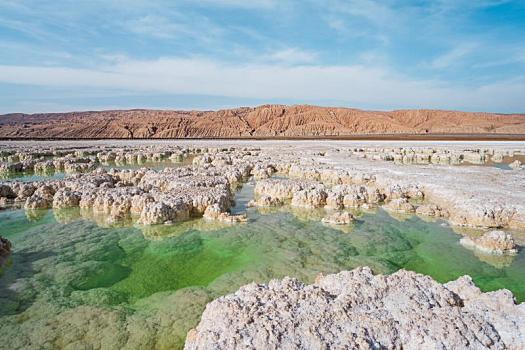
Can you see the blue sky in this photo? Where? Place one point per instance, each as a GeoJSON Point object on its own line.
{"type": "Point", "coordinates": [65, 55]}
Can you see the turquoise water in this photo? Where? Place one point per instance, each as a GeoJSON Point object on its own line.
{"type": "Point", "coordinates": [73, 283]}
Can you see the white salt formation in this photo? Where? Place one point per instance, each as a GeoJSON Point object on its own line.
{"type": "Point", "coordinates": [357, 310]}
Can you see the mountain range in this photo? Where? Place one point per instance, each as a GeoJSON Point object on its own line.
{"type": "Point", "coordinates": [267, 121]}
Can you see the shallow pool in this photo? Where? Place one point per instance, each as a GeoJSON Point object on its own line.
{"type": "Point", "coordinates": [73, 283]}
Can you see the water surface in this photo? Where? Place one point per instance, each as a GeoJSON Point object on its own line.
{"type": "Point", "coordinates": [72, 282]}
{"type": "Point", "coordinates": [30, 176]}
{"type": "Point", "coordinates": [155, 165]}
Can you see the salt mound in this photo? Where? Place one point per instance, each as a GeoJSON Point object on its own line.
{"type": "Point", "coordinates": [355, 309]}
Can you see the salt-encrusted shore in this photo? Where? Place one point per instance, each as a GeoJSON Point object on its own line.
{"type": "Point", "coordinates": [331, 175]}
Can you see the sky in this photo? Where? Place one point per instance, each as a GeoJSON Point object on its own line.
{"type": "Point", "coordinates": [66, 55]}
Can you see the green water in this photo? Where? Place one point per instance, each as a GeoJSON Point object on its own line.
{"type": "Point", "coordinates": [73, 284]}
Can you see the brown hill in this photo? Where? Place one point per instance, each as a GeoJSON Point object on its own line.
{"type": "Point", "coordinates": [262, 121]}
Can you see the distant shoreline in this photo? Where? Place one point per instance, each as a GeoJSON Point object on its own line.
{"type": "Point", "coordinates": [357, 137]}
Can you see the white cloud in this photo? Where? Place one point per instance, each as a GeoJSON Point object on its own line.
{"type": "Point", "coordinates": [359, 85]}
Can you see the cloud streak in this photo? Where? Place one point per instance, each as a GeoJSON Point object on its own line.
{"type": "Point", "coordinates": [292, 56]}
{"type": "Point", "coordinates": [452, 57]}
